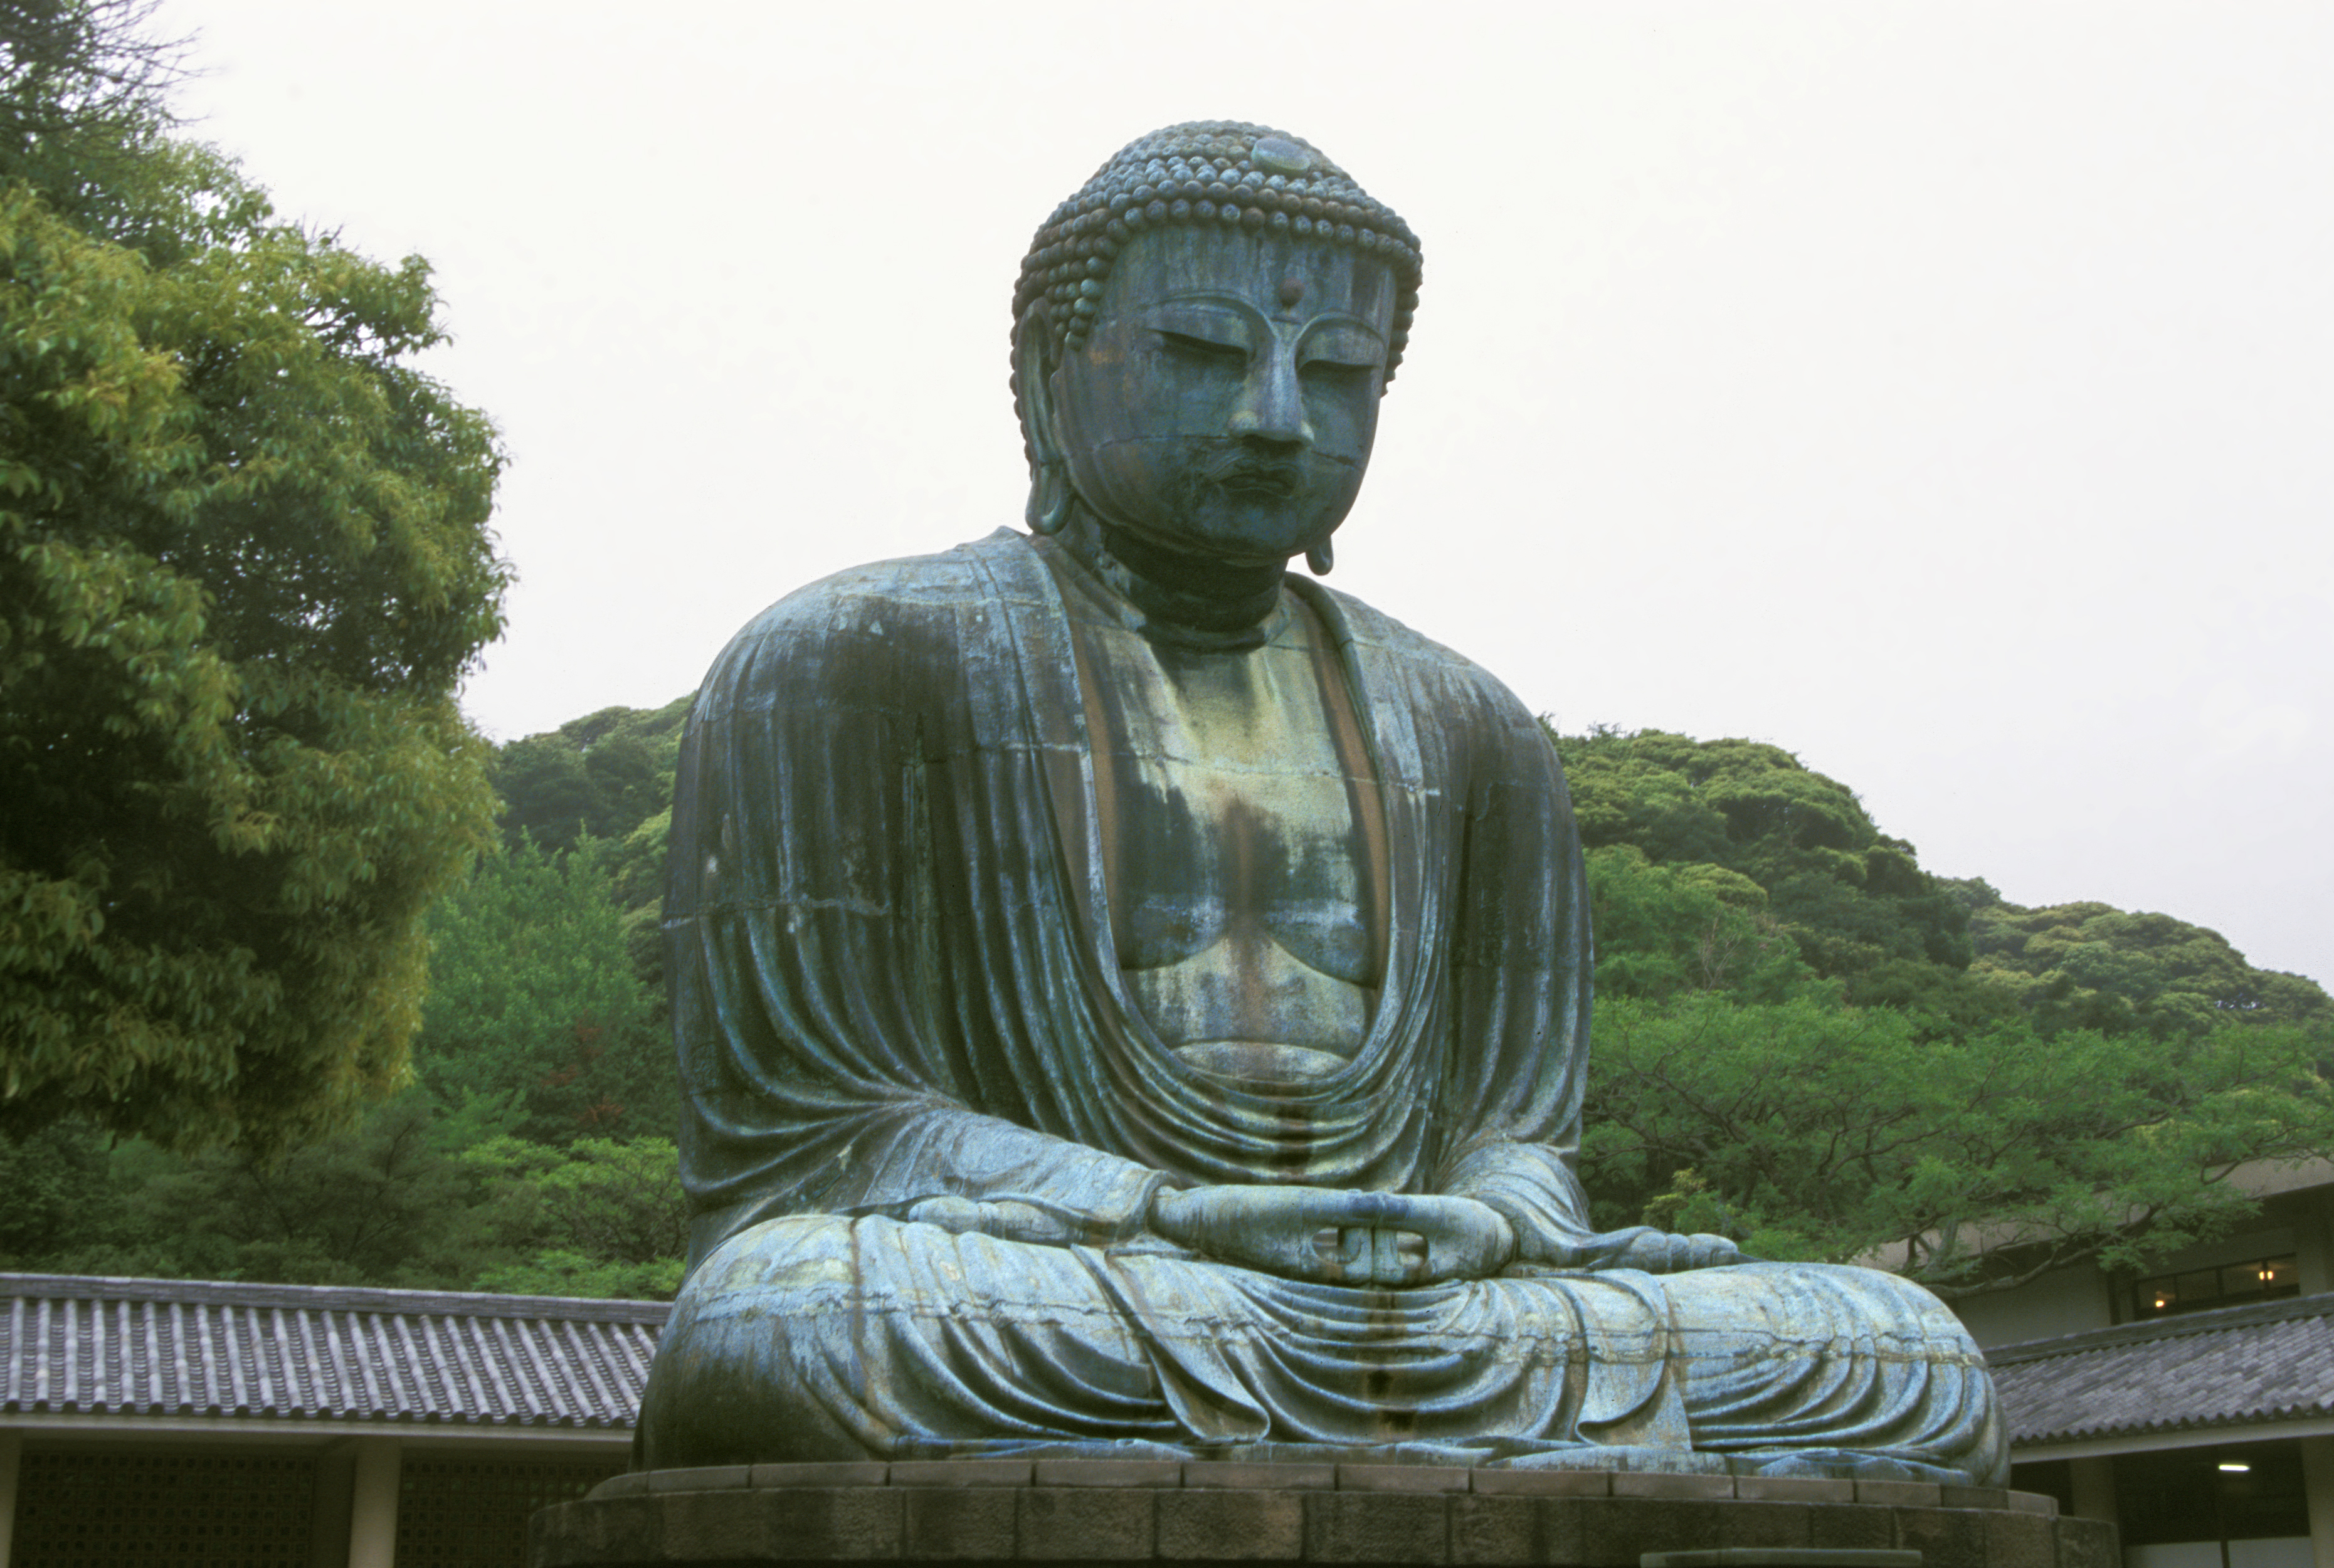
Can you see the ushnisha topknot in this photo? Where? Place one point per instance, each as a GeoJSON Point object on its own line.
{"type": "Point", "coordinates": [1210, 171]}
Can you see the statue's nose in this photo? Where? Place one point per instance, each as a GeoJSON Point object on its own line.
{"type": "Point", "coordinates": [1272, 403]}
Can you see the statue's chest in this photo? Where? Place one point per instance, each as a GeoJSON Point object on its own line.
{"type": "Point", "coordinates": [1235, 839]}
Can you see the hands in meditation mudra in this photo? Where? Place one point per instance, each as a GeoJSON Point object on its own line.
{"type": "Point", "coordinates": [1133, 1000]}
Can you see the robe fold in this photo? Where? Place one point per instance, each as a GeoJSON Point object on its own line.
{"type": "Point", "coordinates": [895, 980]}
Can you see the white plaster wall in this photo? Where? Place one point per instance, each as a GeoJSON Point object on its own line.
{"type": "Point", "coordinates": [2065, 1301]}
{"type": "Point", "coordinates": [2279, 1551]}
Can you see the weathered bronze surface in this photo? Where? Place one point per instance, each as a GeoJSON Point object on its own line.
{"type": "Point", "coordinates": [1133, 1000]}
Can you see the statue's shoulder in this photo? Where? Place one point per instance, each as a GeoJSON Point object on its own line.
{"type": "Point", "coordinates": [878, 633]}
{"type": "Point", "coordinates": [1438, 673]}
{"type": "Point", "coordinates": [877, 597]}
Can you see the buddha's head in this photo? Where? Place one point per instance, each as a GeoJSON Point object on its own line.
{"type": "Point", "coordinates": [1202, 335]}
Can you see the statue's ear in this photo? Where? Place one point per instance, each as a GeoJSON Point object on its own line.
{"type": "Point", "coordinates": [1033, 386]}
{"type": "Point", "coordinates": [1033, 389]}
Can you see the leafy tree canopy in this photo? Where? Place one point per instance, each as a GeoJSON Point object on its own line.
{"type": "Point", "coordinates": [244, 563]}
{"type": "Point", "coordinates": [534, 1004]}
{"type": "Point", "coordinates": [604, 775]}
{"type": "Point", "coordinates": [611, 1215]}
{"type": "Point", "coordinates": [1666, 930]}
{"type": "Point", "coordinates": [1698, 848]}
{"type": "Point", "coordinates": [2093, 966]}
{"type": "Point", "coordinates": [1807, 1042]}
{"type": "Point", "coordinates": [416, 1196]}
{"type": "Point", "coordinates": [1807, 1129]}
{"type": "Point", "coordinates": [84, 91]}
{"type": "Point", "coordinates": [1852, 899]}
{"type": "Point", "coordinates": [608, 776]}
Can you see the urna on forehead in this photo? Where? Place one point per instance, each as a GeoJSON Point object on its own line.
{"type": "Point", "coordinates": [1213, 174]}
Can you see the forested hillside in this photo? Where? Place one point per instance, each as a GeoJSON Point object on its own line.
{"type": "Point", "coordinates": [1726, 865]}
{"type": "Point", "coordinates": [1804, 1040]}
{"type": "Point", "coordinates": [1807, 1042]}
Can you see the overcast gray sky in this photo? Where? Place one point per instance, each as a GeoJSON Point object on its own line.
{"type": "Point", "coordinates": [1941, 392]}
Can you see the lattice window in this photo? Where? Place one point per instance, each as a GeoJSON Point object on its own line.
{"type": "Point", "coordinates": [472, 1513]}
{"type": "Point", "coordinates": [2262, 1279]}
{"type": "Point", "coordinates": [163, 1511]}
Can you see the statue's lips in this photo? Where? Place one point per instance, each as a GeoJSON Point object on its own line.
{"type": "Point", "coordinates": [1253, 481]}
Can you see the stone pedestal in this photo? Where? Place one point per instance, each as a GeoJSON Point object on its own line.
{"type": "Point", "coordinates": [1127, 1512]}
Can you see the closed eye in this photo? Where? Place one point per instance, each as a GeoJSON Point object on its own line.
{"type": "Point", "coordinates": [1335, 373]}
{"type": "Point", "coordinates": [1203, 351]}
{"type": "Point", "coordinates": [1338, 351]}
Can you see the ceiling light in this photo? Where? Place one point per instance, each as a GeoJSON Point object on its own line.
{"type": "Point", "coordinates": [2233, 1467]}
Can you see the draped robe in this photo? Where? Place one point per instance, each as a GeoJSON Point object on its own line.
{"type": "Point", "coordinates": [895, 980]}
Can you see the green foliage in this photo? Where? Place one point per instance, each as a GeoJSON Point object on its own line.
{"type": "Point", "coordinates": [415, 1196]}
{"type": "Point", "coordinates": [1794, 1047]}
{"type": "Point", "coordinates": [608, 776]}
{"type": "Point", "coordinates": [381, 1203]}
{"type": "Point", "coordinates": [2093, 966]}
{"type": "Point", "coordinates": [608, 1217]}
{"type": "Point", "coordinates": [83, 102]}
{"type": "Point", "coordinates": [559, 1271]}
{"type": "Point", "coordinates": [53, 1179]}
{"type": "Point", "coordinates": [534, 1003]}
{"type": "Point", "coordinates": [1851, 898]}
{"type": "Point", "coordinates": [603, 775]}
{"type": "Point", "coordinates": [1806, 1130]}
{"type": "Point", "coordinates": [244, 563]}
{"type": "Point", "coordinates": [1697, 848]}
{"type": "Point", "coordinates": [517, 1164]}
{"type": "Point", "coordinates": [1664, 930]}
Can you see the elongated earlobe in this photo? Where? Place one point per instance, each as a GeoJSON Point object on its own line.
{"type": "Point", "coordinates": [1049, 497]}
{"type": "Point", "coordinates": [1320, 558]}
{"type": "Point", "coordinates": [1049, 471]}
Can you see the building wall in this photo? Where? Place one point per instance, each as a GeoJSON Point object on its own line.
{"type": "Point", "coordinates": [2067, 1301]}
{"type": "Point", "coordinates": [228, 1505]}
{"type": "Point", "coordinates": [118, 1501]}
{"type": "Point", "coordinates": [2299, 1222]}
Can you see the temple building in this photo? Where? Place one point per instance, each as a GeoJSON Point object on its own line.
{"type": "Point", "coordinates": [184, 1423]}
{"type": "Point", "coordinates": [2195, 1405]}
{"type": "Point", "coordinates": [197, 1423]}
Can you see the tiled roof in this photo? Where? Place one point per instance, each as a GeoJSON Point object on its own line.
{"type": "Point", "coordinates": [75, 1345]}
{"type": "Point", "coordinates": [2237, 1366]}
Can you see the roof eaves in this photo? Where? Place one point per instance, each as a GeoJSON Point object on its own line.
{"type": "Point", "coordinates": [329, 1298]}
{"type": "Point", "coordinates": [2219, 1320]}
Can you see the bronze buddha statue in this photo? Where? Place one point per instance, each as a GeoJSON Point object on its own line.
{"type": "Point", "coordinates": [1132, 999]}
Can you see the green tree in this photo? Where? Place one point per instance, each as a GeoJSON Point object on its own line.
{"type": "Point", "coordinates": [2094, 965]}
{"type": "Point", "coordinates": [602, 775]}
{"type": "Point", "coordinates": [54, 1189]}
{"type": "Point", "coordinates": [415, 1195]}
{"type": "Point", "coordinates": [598, 1218]}
{"type": "Point", "coordinates": [244, 565]}
{"type": "Point", "coordinates": [1806, 1130]}
{"type": "Point", "coordinates": [606, 776]}
{"type": "Point", "coordinates": [1854, 899]}
{"type": "Point", "coordinates": [83, 100]}
{"type": "Point", "coordinates": [1664, 930]}
{"type": "Point", "coordinates": [534, 1002]}
{"type": "Point", "coordinates": [386, 1202]}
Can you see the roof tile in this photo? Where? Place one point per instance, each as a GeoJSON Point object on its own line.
{"type": "Point", "coordinates": [2235, 1366]}
{"type": "Point", "coordinates": [76, 1344]}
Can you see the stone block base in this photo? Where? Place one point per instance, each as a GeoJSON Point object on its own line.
{"type": "Point", "coordinates": [1122, 1514]}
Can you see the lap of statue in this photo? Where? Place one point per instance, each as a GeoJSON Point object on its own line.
{"type": "Point", "coordinates": [822, 1337]}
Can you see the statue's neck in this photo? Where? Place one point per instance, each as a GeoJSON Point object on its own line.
{"type": "Point", "coordinates": [1174, 591]}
